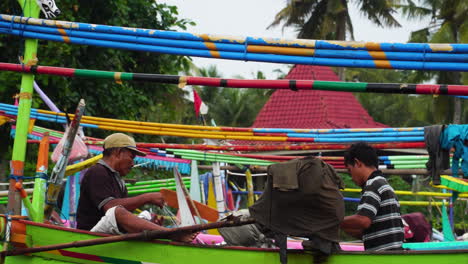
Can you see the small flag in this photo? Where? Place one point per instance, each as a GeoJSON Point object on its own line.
{"type": "Point", "coordinates": [200, 107]}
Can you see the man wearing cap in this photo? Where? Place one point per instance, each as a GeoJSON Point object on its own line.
{"type": "Point", "coordinates": [104, 205]}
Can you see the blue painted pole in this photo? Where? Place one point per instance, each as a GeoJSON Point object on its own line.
{"type": "Point", "coordinates": [317, 44]}
{"type": "Point", "coordinates": [326, 53]}
{"type": "Point", "coordinates": [273, 58]}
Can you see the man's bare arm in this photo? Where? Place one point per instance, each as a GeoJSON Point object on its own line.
{"type": "Point", "coordinates": [132, 203]}
{"type": "Point", "coordinates": [354, 225]}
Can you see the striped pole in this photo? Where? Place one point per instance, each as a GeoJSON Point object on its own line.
{"type": "Point", "coordinates": [397, 88]}
{"type": "Point", "coordinates": [256, 147]}
{"type": "Point", "coordinates": [242, 48]}
{"type": "Point", "coordinates": [135, 124]}
{"type": "Point", "coordinates": [303, 43]}
{"type": "Point", "coordinates": [40, 182]}
{"type": "Point", "coordinates": [418, 137]}
{"type": "Point", "coordinates": [247, 56]}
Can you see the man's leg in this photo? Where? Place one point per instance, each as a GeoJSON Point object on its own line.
{"type": "Point", "coordinates": [118, 216]}
{"type": "Point", "coordinates": [132, 223]}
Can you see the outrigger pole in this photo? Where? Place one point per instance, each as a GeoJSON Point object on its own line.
{"type": "Point", "coordinates": [30, 9]}
{"type": "Point", "coordinates": [295, 85]}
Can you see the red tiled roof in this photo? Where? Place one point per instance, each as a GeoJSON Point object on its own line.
{"type": "Point", "coordinates": [313, 109]}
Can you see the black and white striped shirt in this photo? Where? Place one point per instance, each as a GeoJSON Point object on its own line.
{"type": "Point", "coordinates": [380, 204]}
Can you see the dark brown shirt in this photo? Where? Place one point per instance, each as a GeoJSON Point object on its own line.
{"type": "Point", "coordinates": [100, 185]}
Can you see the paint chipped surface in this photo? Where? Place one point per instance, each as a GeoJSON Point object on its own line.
{"type": "Point", "coordinates": [441, 47]}
{"type": "Point", "coordinates": [129, 29]}
{"type": "Point", "coordinates": [289, 42]}
{"type": "Point", "coordinates": [348, 44]}
{"type": "Point", "coordinates": [220, 38]}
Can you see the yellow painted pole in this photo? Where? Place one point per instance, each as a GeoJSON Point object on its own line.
{"type": "Point", "coordinates": [439, 194]}
{"type": "Point", "coordinates": [250, 191]}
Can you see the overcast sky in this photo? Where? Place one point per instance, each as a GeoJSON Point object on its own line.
{"type": "Point", "coordinates": [252, 17]}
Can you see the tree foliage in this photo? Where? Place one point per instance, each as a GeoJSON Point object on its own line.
{"type": "Point", "coordinates": [128, 100]}
{"type": "Point", "coordinates": [448, 24]}
{"type": "Point", "coordinates": [330, 19]}
{"type": "Point", "coordinates": [141, 101]}
{"type": "Point", "coordinates": [399, 110]}
{"type": "Point", "coordinates": [231, 106]}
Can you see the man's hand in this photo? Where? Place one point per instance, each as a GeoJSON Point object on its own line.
{"type": "Point", "coordinates": [354, 225]}
{"type": "Point", "coordinates": [132, 203]}
{"type": "Point", "coordinates": [155, 198]}
{"type": "Point", "coordinates": [157, 219]}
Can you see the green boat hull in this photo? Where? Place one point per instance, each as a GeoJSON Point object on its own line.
{"type": "Point", "coordinates": [139, 252]}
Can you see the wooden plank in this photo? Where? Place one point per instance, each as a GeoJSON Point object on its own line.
{"type": "Point", "coordinates": [205, 211]}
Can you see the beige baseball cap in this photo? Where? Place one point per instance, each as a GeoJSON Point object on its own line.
{"type": "Point", "coordinates": [120, 140]}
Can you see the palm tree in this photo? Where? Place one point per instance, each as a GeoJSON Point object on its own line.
{"type": "Point", "coordinates": [330, 19]}
{"type": "Point", "coordinates": [230, 106]}
{"type": "Point", "coordinates": [448, 25]}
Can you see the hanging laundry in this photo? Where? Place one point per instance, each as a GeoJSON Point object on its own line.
{"type": "Point", "coordinates": [456, 136]}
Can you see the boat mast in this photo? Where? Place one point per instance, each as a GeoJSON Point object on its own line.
{"type": "Point", "coordinates": [30, 9]}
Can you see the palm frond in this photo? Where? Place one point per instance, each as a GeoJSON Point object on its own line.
{"type": "Point", "coordinates": [282, 15]}
{"type": "Point", "coordinates": [445, 34]}
{"type": "Point", "coordinates": [420, 36]}
{"type": "Point", "coordinates": [349, 26]}
{"type": "Point", "coordinates": [312, 28]}
{"type": "Point", "coordinates": [380, 12]}
{"type": "Point", "coordinates": [413, 11]}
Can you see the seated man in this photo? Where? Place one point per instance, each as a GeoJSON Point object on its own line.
{"type": "Point", "coordinates": [378, 220]}
{"type": "Point", "coordinates": [104, 206]}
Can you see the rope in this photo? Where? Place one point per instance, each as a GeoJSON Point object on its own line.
{"type": "Point", "coordinates": [18, 178]}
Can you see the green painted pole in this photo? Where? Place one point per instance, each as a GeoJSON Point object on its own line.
{"type": "Point", "coordinates": [30, 9]}
{"type": "Point", "coordinates": [27, 203]}
{"type": "Point", "coordinates": [40, 183]}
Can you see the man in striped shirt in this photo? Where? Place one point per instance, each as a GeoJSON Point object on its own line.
{"type": "Point", "coordinates": [377, 220]}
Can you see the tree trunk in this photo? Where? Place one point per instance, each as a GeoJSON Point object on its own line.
{"type": "Point", "coordinates": [457, 110]}
{"type": "Point", "coordinates": [5, 154]}
{"type": "Point", "coordinates": [341, 34]}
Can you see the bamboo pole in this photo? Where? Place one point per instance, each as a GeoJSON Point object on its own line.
{"type": "Point", "coordinates": [40, 183]}
{"type": "Point", "coordinates": [396, 172]}
{"type": "Point", "coordinates": [30, 9]}
{"type": "Point", "coordinates": [245, 41]}
{"type": "Point", "coordinates": [225, 135]}
{"type": "Point", "coordinates": [218, 189]}
{"type": "Point", "coordinates": [145, 235]}
{"type": "Point", "coordinates": [102, 120]}
{"type": "Point", "coordinates": [58, 173]}
{"type": "Point", "coordinates": [27, 203]}
{"type": "Point", "coordinates": [332, 53]}
{"type": "Point", "coordinates": [250, 189]}
{"type": "Point", "coordinates": [246, 56]}
{"type": "Point", "coordinates": [186, 194]}
{"type": "Point", "coordinates": [397, 88]}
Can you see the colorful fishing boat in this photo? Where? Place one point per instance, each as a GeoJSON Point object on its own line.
{"type": "Point", "coordinates": [27, 242]}
{"type": "Point", "coordinates": [30, 234]}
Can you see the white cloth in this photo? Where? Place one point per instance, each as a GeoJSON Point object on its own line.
{"type": "Point", "coordinates": [108, 223]}
{"type": "Point", "coordinates": [145, 215]}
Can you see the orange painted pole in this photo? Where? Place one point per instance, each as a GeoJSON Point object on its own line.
{"type": "Point", "coordinates": [40, 183]}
